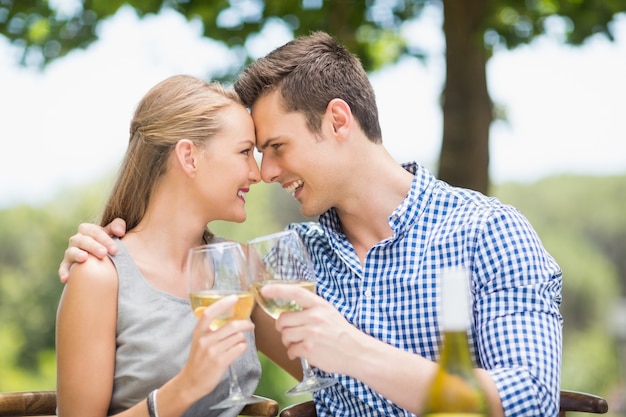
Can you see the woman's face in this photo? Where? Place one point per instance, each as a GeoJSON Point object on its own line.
{"type": "Point", "coordinates": [229, 167]}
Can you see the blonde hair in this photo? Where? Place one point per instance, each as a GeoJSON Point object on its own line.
{"type": "Point", "coordinates": [179, 107]}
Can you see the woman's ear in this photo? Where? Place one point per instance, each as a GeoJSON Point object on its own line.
{"type": "Point", "coordinates": [340, 115]}
{"type": "Point", "coordinates": [186, 153]}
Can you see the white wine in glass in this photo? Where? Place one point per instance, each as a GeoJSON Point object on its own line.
{"type": "Point", "coordinates": [200, 300]}
{"type": "Point", "coordinates": [275, 306]}
{"type": "Point", "coordinates": [216, 271]}
{"type": "Point", "coordinates": [281, 258]}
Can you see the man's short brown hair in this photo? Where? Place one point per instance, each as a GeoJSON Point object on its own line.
{"type": "Point", "coordinates": [310, 71]}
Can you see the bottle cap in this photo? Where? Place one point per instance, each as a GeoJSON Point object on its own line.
{"type": "Point", "coordinates": [455, 300]}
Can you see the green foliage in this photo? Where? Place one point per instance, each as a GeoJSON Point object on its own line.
{"type": "Point", "coordinates": [514, 22]}
{"type": "Point", "coordinates": [43, 239]}
{"type": "Point", "coordinates": [14, 377]}
{"type": "Point", "coordinates": [372, 30]}
{"type": "Point", "coordinates": [582, 224]}
{"type": "Point", "coordinates": [591, 364]}
{"type": "Point", "coordinates": [32, 243]}
{"type": "Point", "coordinates": [274, 382]}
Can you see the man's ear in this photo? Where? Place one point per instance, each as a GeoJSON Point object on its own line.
{"type": "Point", "coordinates": [340, 115]}
{"type": "Point", "coordinates": [186, 154]}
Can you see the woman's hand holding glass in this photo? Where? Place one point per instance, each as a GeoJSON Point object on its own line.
{"type": "Point", "coordinates": [217, 272]}
{"type": "Point", "coordinates": [213, 350]}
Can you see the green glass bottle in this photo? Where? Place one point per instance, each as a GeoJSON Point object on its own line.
{"type": "Point", "coordinates": [454, 391]}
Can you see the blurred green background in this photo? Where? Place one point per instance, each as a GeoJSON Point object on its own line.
{"type": "Point", "coordinates": [581, 221]}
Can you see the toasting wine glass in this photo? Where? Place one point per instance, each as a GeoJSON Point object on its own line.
{"type": "Point", "coordinates": [215, 271]}
{"type": "Point", "coordinates": [281, 258]}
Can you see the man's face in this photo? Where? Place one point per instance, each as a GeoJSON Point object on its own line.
{"type": "Point", "coordinates": [293, 156]}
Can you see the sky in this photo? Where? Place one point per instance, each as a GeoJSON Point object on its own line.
{"type": "Point", "coordinates": [67, 125]}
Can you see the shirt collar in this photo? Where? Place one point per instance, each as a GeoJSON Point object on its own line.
{"type": "Point", "coordinates": [406, 213]}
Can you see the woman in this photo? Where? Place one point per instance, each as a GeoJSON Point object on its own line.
{"type": "Point", "coordinates": [128, 329]}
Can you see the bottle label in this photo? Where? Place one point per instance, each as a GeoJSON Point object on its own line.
{"type": "Point", "coordinates": [455, 300]}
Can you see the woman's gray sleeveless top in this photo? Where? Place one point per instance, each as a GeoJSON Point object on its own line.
{"type": "Point", "coordinates": [154, 332]}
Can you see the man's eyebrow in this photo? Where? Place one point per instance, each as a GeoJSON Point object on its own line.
{"type": "Point", "coordinates": [266, 144]}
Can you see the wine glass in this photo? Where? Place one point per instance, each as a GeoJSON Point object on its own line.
{"type": "Point", "coordinates": [215, 271]}
{"type": "Point", "coordinates": [281, 258]}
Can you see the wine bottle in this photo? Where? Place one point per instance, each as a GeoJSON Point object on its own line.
{"type": "Point", "coordinates": [454, 390]}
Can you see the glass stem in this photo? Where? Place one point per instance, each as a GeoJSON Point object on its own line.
{"type": "Point", "coordinates": [234, 389]}
{"type": "Point", "coordinates": [306, 370]}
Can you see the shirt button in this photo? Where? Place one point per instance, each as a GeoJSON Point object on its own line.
{"type": "Point", "coordinates": [368, 294]}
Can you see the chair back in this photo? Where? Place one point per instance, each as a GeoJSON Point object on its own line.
{"type": "Point", "coordinates": [581, 402]}
{"type": "Point", "coordinates": [31, 403]}
{"type": "Point", "coordinates": [44, 403]}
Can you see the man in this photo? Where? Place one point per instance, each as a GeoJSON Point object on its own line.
{"type": "Point", "coordinates": [385, 233]}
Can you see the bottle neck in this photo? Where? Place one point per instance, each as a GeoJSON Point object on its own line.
{"type": "Point", "coordinates": [455, 352]}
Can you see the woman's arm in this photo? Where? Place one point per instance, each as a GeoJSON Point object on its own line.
{"type": "Point", "coordinates": [86, 328]}
{"type": "Point", "coordinates": [85, 339]}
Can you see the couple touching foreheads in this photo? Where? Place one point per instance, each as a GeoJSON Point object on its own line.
{"type": "Point", "coordinates": [384, 233]}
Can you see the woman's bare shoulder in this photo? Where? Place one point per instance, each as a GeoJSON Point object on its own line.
{"type": "Point", "coordinates": [94, 273]}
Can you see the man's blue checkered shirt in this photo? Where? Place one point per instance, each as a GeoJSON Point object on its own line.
{"type": "Point", "coordinates": [515, 286]}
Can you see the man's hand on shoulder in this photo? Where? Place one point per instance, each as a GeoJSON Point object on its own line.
{"type": "Point", "coordinates": [90, 239]}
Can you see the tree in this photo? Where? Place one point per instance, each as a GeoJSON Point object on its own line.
{"type": "Point", "coordinates": [371, 29]}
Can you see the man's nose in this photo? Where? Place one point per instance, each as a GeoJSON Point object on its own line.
{"type": "Point", "coordinates": [269, 170]}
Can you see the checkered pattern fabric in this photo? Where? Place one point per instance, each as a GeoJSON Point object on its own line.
{"type": "Point", "coordinates": [515, 287]}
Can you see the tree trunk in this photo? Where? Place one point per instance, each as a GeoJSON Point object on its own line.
{"type": "Point", "coordinates": [467, 110]}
